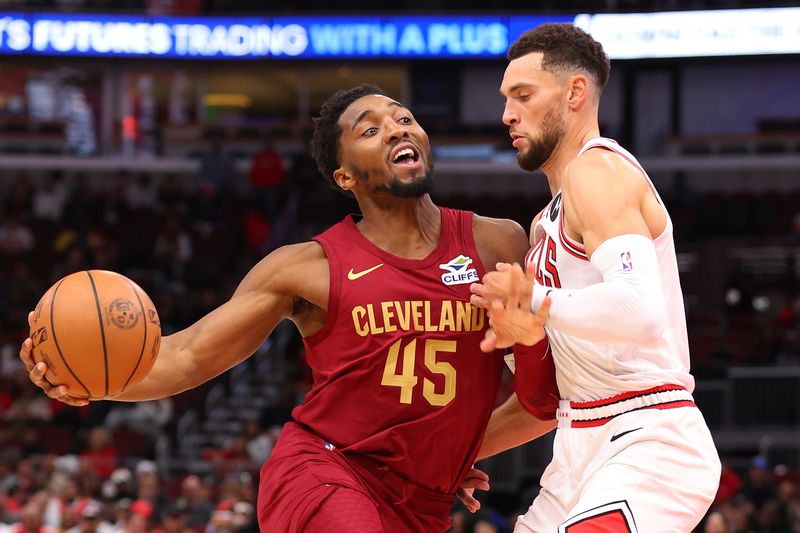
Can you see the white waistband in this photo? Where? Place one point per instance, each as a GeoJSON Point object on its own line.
{"type": "Point", "coordinates": [569, 412]}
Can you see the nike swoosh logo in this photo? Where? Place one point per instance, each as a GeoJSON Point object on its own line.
{"type": "Point", "coordinates": [618, 435]}
{"type": "Point", "coordinates": [352, 276]}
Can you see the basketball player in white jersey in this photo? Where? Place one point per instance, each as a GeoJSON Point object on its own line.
{"type": "Point", "coordinates": [632, 452]}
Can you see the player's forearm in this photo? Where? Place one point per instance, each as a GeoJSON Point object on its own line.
{"type": "Point", "coordinates": [173, 373]}
{"type": "Point", "coordinates": [510, 426]}
{"type": "Point", "coordinates": [626, 307]}
{"type": "Point", "coordinates": [192, 356]}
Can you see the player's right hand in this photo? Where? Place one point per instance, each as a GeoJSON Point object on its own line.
{"type": "Point", "coordinates": [36, 372]}
{"type": "Point", "coordinates": [476, 479]}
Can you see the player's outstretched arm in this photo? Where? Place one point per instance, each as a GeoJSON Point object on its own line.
{"type": "Point", "coordinates": [224, 337]}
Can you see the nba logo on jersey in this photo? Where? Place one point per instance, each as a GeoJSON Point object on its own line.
{"type": "Point", "coordinates": [627, 265]}
{"type": "Point", "coordinates": [457, 271]}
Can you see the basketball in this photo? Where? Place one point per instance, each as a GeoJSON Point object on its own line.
{"type": "Point", "coordinates": [98, 332]}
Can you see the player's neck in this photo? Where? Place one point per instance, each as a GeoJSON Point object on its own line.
{"type": "Point", "coordinates": [405, 227]}
{"type": "Point", "coordinates": [566, 151]}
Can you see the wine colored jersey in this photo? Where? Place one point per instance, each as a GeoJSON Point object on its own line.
{"type": "Point", "coordinates": [398, 372]}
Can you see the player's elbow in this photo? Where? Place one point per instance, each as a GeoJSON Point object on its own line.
{"type": "Point", "coordinates": [649, 324]}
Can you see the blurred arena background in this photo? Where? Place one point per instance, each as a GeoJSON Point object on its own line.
{"type": "Point", "coordinates": [182, 162]}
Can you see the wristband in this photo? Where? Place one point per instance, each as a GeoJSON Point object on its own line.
{"type": "Point", "coordinates": [538, 294]}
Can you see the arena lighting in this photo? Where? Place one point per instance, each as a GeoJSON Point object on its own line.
{"type": "Point", "coordinates": [228, 100]}
{"type": "Point", "coordinates": [624, 36]}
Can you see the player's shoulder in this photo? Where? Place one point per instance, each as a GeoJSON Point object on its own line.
{"type": "Point", "coordinates": [289, 265]}
{"type": "Point", "coordinates": [308, 251]}
{"type": "Point", "coordinates": [596, 167]}
{"type": "Point", "coordinates": [503, 239]}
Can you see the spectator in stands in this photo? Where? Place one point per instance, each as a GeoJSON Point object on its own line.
{"type": "Point", "coordinates": [19, 200]}
{"type": "Point", "coordinates": [50, 198]}
{"type": "Point", "coordinates": [174, 519]}
{"type": "Point", "coordinates": [26, 407]}
{"type": "Point", "coordinates": [715, 523]}
{"type": "Point", "coordinates": [140, 191]}
{"type": "Point", "coordinates": [63, 494]}
{"type": "Point", "coordinates": [22, 291]}
{"type": "Point", "coordinates": [16, 239]}
{"type": "Point", "coordinates": [198, 505]}
{"type": "Point", "coordinates": [146, 418]}
{"type": "Point", "coordinates": [267, 176]}
{"type": "Point", "coordinates": [173, 247]}
{"type": "Point", "coordinates": [217, 167]}
{"type": "Point", "coordinates": [31, 518]}
{"type": "Point", "coordinates": [244, 518]}
{"type": "Point", "coordinates": [100, 455]}
{"type": "Point", "coordinates": [113, 207]}
{"type": "Point", "coordinates": [258, 442]}
{"type": "Point", "coordinates": [83, 205]}
{"type": "Point", "coordinates": [730, 484]}
{"type": "Point", "coordinates": [773, 517]}
{"type": "Point", "coordinates": [138, 520]}
{"type": "Point", "coordinates": [89, 516]}
{"type": "Point", "coordinates": [758, 486]}
{"type": "Point", "coordinates": [148, 488]}
{"type": "Point", "coordinates": [119, 485]}
{"type": "Point", "coordinates": [170, 195]}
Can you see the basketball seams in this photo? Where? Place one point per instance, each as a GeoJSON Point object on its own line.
{"type": "Point", "coordinates": [144, 340]}
{"type": "Point", "coordinates": [55, 340]}
{"type": "Point", "coordinates": [102, 328]}
{"type": "Point", "coordinates": [111, 324]}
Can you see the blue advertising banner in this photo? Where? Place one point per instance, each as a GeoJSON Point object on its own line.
{"type": "Point", "coordinates": [257, 37]}
{"type": "Point", "coordinates": [624, 35]}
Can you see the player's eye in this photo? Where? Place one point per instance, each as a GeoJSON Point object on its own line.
{"type": "Point", "coordinates": [370, 131]}
{"type": "Point", "coordinates": [405, 120]}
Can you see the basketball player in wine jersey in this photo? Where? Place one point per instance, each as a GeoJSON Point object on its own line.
{"type": "Point", "coordinates": [632, 452]}
{"type": "Point", "coordinates": [402, 392]}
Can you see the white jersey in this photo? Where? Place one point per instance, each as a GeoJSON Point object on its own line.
{"type": "Point", "coordinates": [588, 370]}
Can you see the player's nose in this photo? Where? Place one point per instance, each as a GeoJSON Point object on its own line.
{"type": "Point", "coordinates": [394, 131]}
{"type": "Point", "coordinates": [510, 116]}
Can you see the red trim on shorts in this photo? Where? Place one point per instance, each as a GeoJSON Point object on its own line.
{"type": "Point", "coordinates": [602, 421]}
{"type": "Point", "coordinates": [623, 396]}
{"type": "Point", "coordinates": [608, 522]}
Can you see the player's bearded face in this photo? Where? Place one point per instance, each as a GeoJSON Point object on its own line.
{"type": "Point", "coordinates": [385, 149]}
{"type": "Point", "coordinates": [541, 148]}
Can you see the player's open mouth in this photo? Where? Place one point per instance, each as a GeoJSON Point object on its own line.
{"type": "Point", "coordinates": [405, 155]}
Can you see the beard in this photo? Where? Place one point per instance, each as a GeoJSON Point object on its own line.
{"type": "Point", "coordinates": [416, 188]}
{"type": "Point", "coordinates": [542, 148]}
{"type": "Point", "coordinates": [412, 189]}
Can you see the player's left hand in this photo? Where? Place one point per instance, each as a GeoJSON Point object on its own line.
{"type": "Point", "coordinates": [512, 322]}
{"type": "Point", "coordinates": [476, 479]}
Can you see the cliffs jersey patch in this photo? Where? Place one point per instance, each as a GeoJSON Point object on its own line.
{"type": "Point", "coordinates": [458, 271]}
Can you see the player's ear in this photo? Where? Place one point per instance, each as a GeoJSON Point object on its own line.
{"type": "Point", "coordinates": [578, 91]}
{"type": "Point", "coordinates": [343, 179]}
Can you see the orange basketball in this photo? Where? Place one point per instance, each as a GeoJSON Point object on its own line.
{"type": "Point", "coordinates": [97, 331]}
